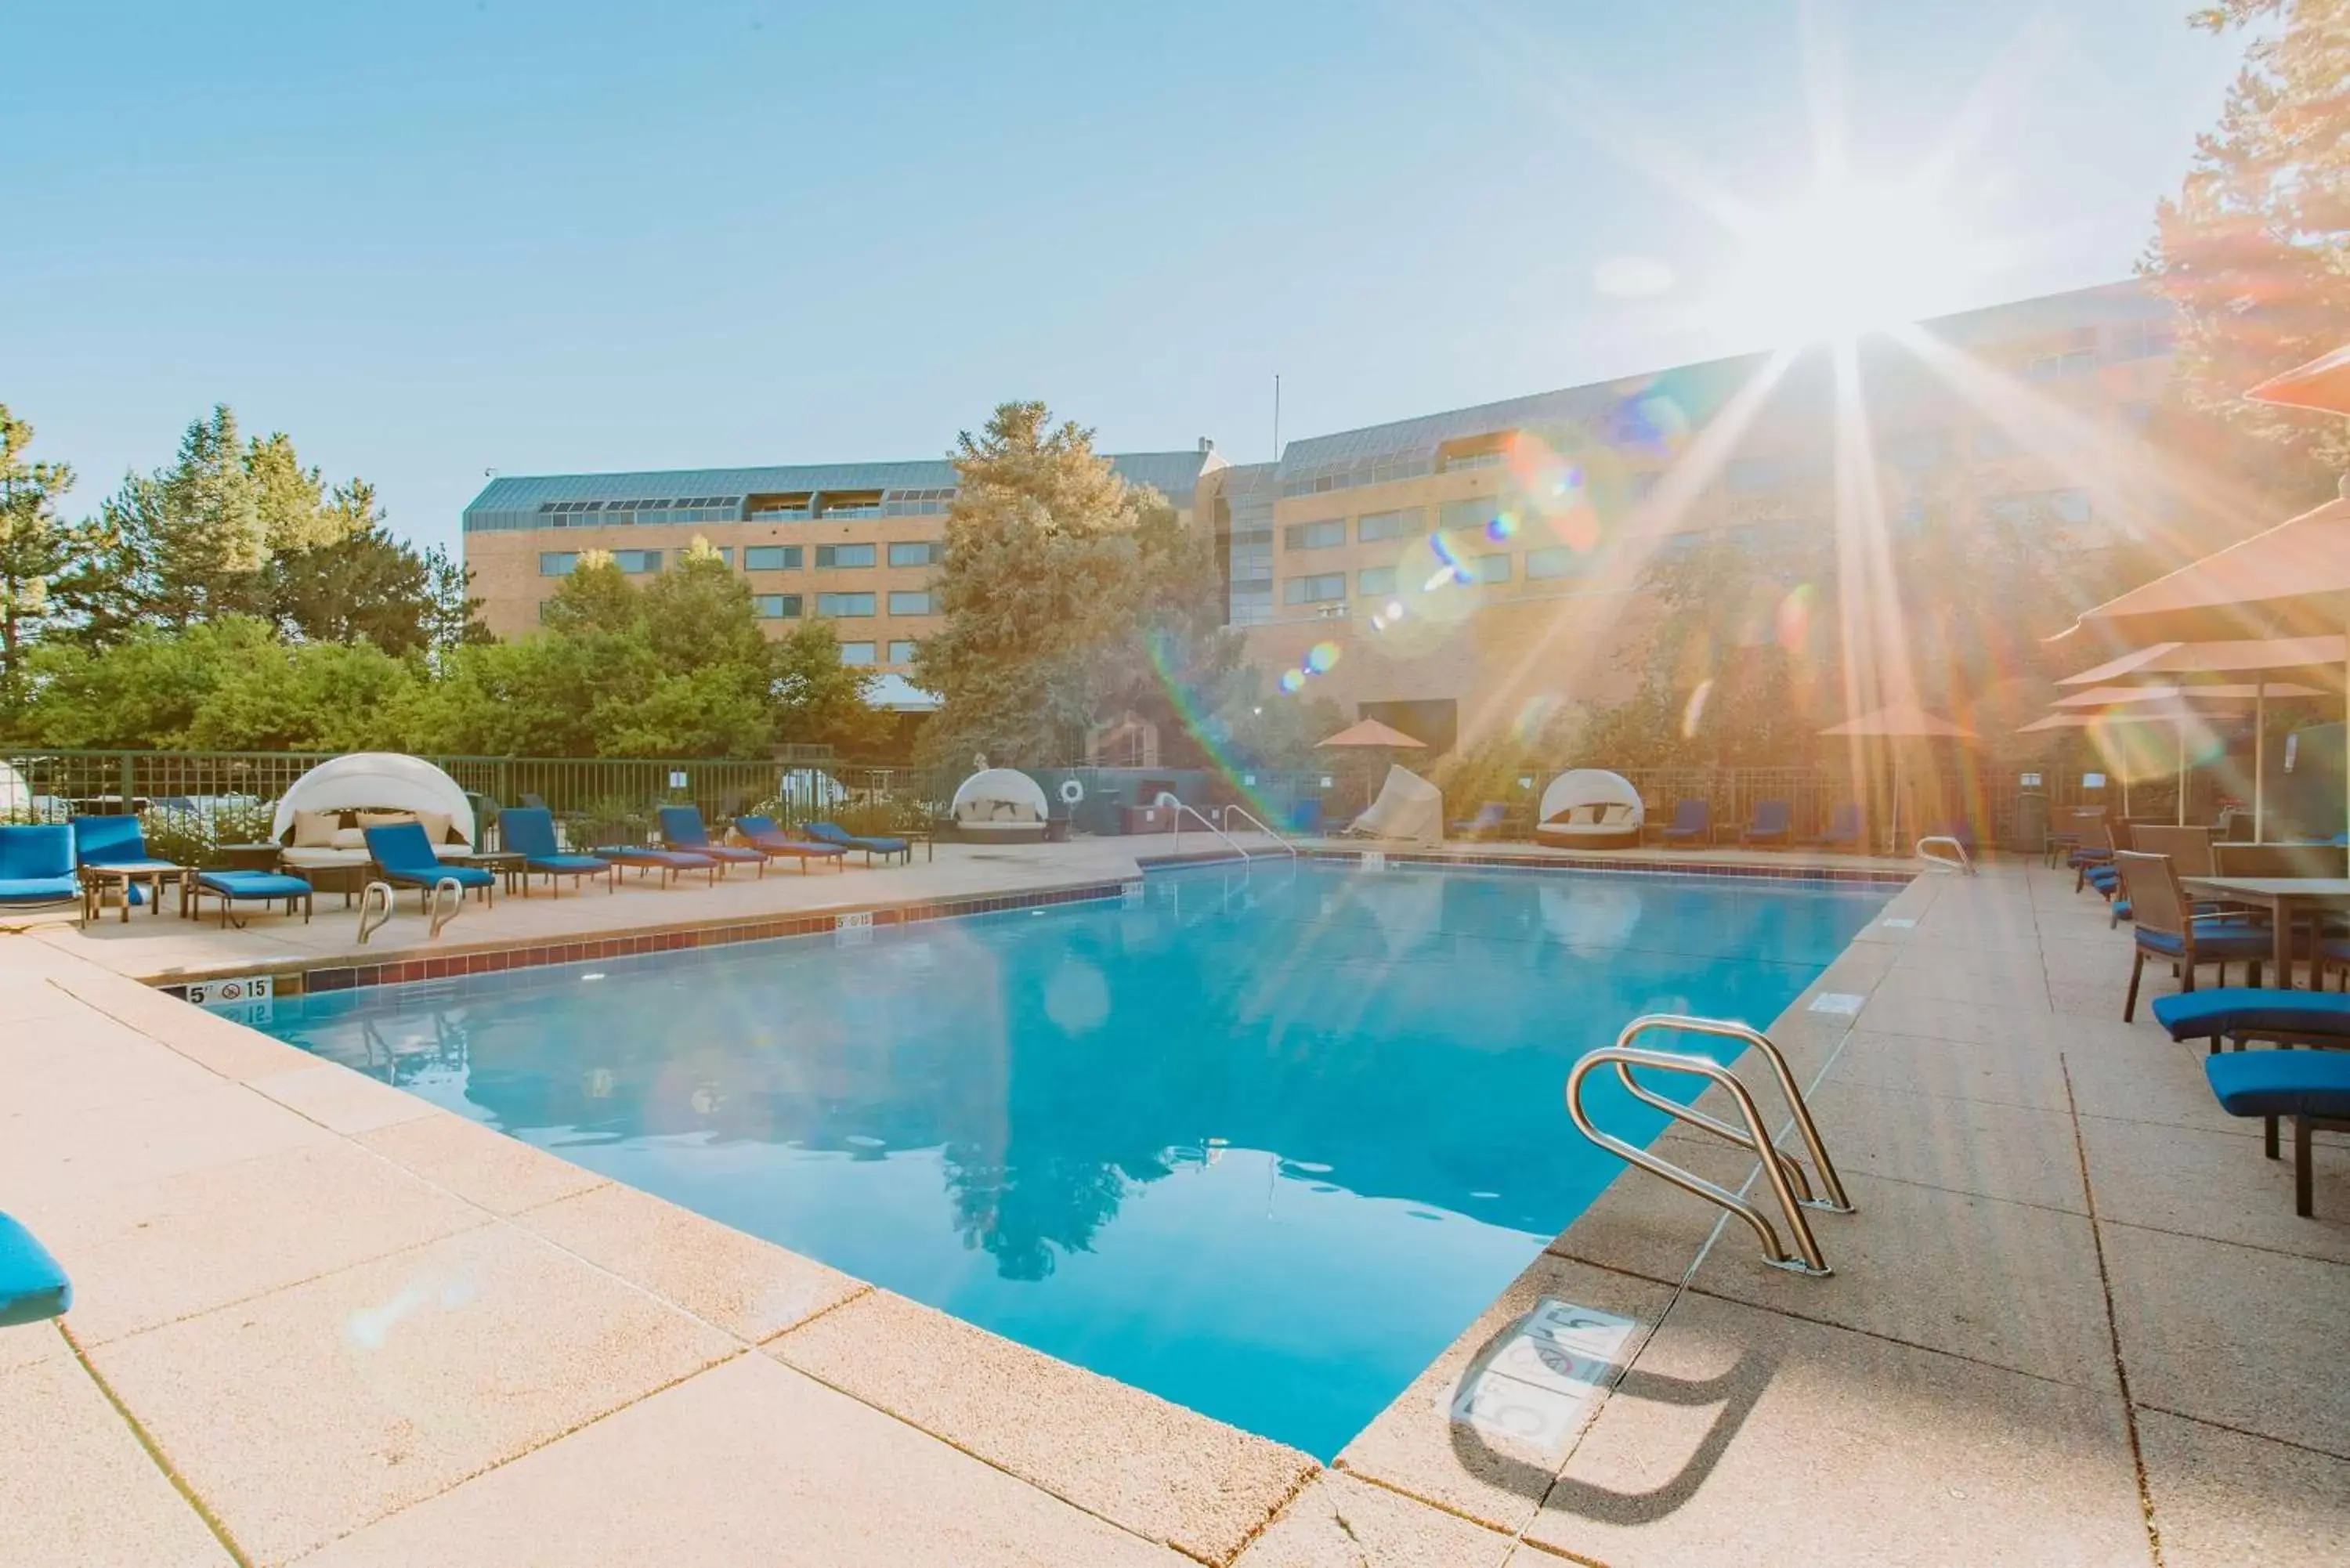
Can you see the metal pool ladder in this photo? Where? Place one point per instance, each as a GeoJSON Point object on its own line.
{"type": "Point", "coordinates": [1788, 1183]}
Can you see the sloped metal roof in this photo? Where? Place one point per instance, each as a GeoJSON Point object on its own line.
{"type": "Point", "coordinates": [1175, 473]}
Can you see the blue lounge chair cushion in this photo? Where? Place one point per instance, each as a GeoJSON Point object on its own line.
{"type": "Point", "coordinates": [832, 833]}
{"type": "Point", "coordinates": [575, 865]}
{"type": "Point", "coordinates": [762, 831]}
{"type": "Point", "coordinates": [638, 855]}
{"type": "Point", "coordinates": [2282, 1083]}
{"type": "Point", "coordinates": [36, 866]}
{"type": "Point", "coordinates": [32, 1286]}
{"type": "Point", "coordinates": [38, 890]}
{"type": "Point", "coordinates": [405, 858]}
{"type": "Point", "coordinates": [2210, 942]}
{"type": "Point", "coordinates": [2254, 1011]}
{"type": "Point", "coordinates": [254, 884]}
{"type": "Point", "coordinates": [109, 841]}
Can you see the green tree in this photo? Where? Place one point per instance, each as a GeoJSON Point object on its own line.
{"type": "Point", "coordinates": [2255, 249]}
{"type": "Point", "coordinates": [34, 547]}
{"type": "Point", "coordinates": [144, 692]}
{"type": "Point", "coordinates": [816, 700]}
{"type": "Point", "coordinates": [301, 696]}
{"type": "Point", "coordinates": [1069, 598]}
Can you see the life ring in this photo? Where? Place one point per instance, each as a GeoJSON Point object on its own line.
{"type": "Point", "coordinates": [1072, 791]}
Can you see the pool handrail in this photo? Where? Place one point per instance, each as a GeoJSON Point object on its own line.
{"type": "Point", "coordinates": [1785, 1174]}
{"type": "Point", "coordinates": [1175, 846]}
{"type": "Point", "coordinates": [1252, 819]}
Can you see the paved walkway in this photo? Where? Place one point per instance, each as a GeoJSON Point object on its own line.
{"type": "Point", "coordinates": [2076, 1320]}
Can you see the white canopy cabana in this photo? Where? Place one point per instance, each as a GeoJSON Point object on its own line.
{"type": "Point", "coordinates": [1590, 808]}
{"type": "Point", "coordinates": [369, 782]}
{"type": "Point", "coordinates": [1001, 804]}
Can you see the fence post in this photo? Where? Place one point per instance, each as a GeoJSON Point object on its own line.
{"type": "Point", "coordinates": [129, 777]}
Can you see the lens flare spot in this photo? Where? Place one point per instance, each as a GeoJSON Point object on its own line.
{"type": "Point", "coordinates": [1533, 715]}
{"type": "Point", "coordinates": [1293, 681]}
{"type": "Point", "coordinates": [1321, 657]}
{"type": "Point", "coordinates": [1694, 715]}
{"type": "Point", "coordinates": [1795, 617]}
{"type": "Point", "coordinates": [1502, 525]}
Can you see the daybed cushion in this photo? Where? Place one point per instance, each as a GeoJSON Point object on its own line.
{"type": "Point", "coordinates": [316, 829]}
{"type": "Point", "coordinates": [2282, 1083]}
{"type": "Point", "coordinates": [2245, 1010]}
{"type": "Point", "coordinates": [347, 838]}
{"type": "Point", "coordinates": [32, 1286]}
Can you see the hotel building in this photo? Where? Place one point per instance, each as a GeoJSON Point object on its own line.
{"type": "Point", "coordinates": [1459, 571]}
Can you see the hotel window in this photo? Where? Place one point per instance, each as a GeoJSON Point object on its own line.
{"type": "Point", "coordinates": [771, 558]}
{"type": "Point", "coordinates": [777, 606]}
{"type": "Point", "coordinates": [830, 555]}
{"type": "Point", "coordinates": [1319, 535]}
{"type": "Point", "coordinates": [557, 563]}
{"type": "Point", "coordinates": [1462, 516]}
{"type": "Point", "coordinates": [902, 652]}
{"type": "Point", "coordinates": [636, 563]}
{"type": "Point", "coordinates": [1372, 525]}
{"type": "Point", "coordinates": [2144, 339]}
{"type": "Point", "coordinates": [1376, 582]}
{"type": "Point", "coordinates": [844, 605]}
{"type": "Point", "coordinates": [1493, 569]}
{"type": "Point", "coordinates": [856, 653]}
{"type": "Point", "coordinates": [911, 604]}
{"type": "Point", "coordinates": [922, 553]}
{"type": "Point", "coordinates": [1558, 561]}
{"type": "Point", "coordinates": [1314, 590]}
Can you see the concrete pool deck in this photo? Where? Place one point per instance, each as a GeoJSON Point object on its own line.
{"type": "Point", "coordinates": [320, 1321]}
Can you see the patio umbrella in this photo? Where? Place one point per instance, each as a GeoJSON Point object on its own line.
{"type": "Point", "coordinates": [2175, 705]}
{"type": "Point", "coordinates": [1903, 720]}
{"type": "Point", "coordinates": [2292, 581]}
{"type": "Point", "coordinates": [1367, 735]}
{"type": "Point", "coordinates": [2322, 383]}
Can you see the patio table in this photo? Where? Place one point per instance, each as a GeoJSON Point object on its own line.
{"type": "Point", "coordinates": [2288, 900]}
{"type": "Point", "coordinates": [154, 873]}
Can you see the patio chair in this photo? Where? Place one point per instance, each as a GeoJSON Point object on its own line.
{"type": "Point", "coordinates": [1843, 831]}
{"type": "Point", "coordinates": [832, 833]}
{"type": "Point", "coordinates": [529, 832]}
{"type": "Point", "coordinates": [2312, 1087]}
{"type": "Point", "coordinates": [403, 857]}
{"type": "Point", "coordinates": [762, 835]}
{"type": "Point", "coordinates": [117, 843]}
{"type": "Point", "coordinates": [2239, 1013]}
{"type": "Point", "coordinates": [2169, 931]}
{"type": "Point", "coordinates": [681, 830]}
{"type": "Point", "coordinates": [670, 862]}
{"type": "Point", "coordinates": [32, 1286]}
{"type": "Point", "coordinates": [37, 868]}
{"type": "Point", "coordinates": [1773, 824]}
{"type": "Point", "coordinates": [1693, 821]}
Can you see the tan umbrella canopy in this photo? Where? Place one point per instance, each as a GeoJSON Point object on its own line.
{"type": "Point", "coordinates": [2189, 696]}
{"type": "Point", "coordinates": [1901, 720]}
{"type": "Point", "coordinates": [1370, 734]}
{"type": "Point", "coordinates": [2322, 383]}
{"type": "Point", "coordinates": [2179, 706]}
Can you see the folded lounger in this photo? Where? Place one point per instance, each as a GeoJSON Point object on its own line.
{"type": "Point", "coordinates": [681, 830]}
{"type": "Point", "coordinates": [403, 857]}
{"type": "Point", "coordinates": [830, 833]}
{"type": "Point", "coordinates": [669, 863]}
{"type": "Point", "coordinates": [32, 1286]}
{"type": "Point", "coordinates": [2312, 1087]}
{"type": "Point", "coordinates": [761, 834]}
{"type": "Point", "coordinates": [529, 831]}
{"type": "Point", "coordinates": [36, 866]}
{"type": "Point", "coordinates": [2242, 1012]}
{"type": "Point", "coordinates": [233, 888]}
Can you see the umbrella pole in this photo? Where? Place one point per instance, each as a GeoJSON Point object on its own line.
{"type": "Point", "coordinates": [2183, 773]}
{"type": "Point", "coordinates": [2260, 759]}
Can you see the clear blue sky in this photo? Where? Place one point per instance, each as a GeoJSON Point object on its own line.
{"type": "Point", "coordinates": [444, 235]}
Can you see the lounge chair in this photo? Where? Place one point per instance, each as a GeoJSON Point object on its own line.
{"type": "Point", "coordinates": [2312, 1087]}
{"type": "Point", "coordinates": [32, 1286]}
{"type": "Point", "coordinates": [2241, 1014]}
{"type": "Point", "coordinates": [681, 830]}
{"type": "Point", "coordinates": [2169, 931]}
{"type": "Point", "coordinates": [117, 843]}
{"type": "Point", "coordinates": [832, 833]}
{"type": "Point", "coordinates": [37, 868]}
{"type": "Point", "coordinates": [1773, 824]}
{"type": "Point", "coordinates": [233, 887]}
{"type": "Point", "coordinates": [403, 857]}
{"type": "Point", "coordinates": [762, 835]}
{"type": "Point", "coordinates": [1692, 822]}
{"type": "Point", "coordinates": [670, 862]}
{"type": "Point", "coordinates": [1843, 831]}
{"type": "Point", "coordinates": [529, 832]}
{"type": "Point", "coordinates": [1490, 818]}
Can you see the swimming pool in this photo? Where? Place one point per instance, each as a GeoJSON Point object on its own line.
{"type": "Point", "coordinates": [1263, 1141]}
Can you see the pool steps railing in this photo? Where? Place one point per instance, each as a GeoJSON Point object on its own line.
{"type": "Point", "coordinates": [1787, 1180]}
{"type": "Point", "coordinates": [1182, 810]}
{"type": "Point", "coordinates": [1228, 813]}
{"type": "Point", "coordinates": [1957, 860]}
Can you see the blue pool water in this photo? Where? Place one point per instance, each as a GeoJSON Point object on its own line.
{"type": "Point", "coordinates": [1264, 1142]}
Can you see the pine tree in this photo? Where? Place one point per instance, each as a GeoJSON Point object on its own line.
{"type": "Point", "coordinates": [33, 546]}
